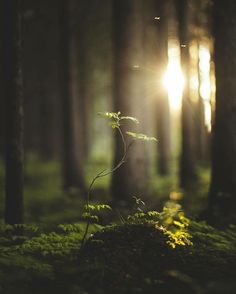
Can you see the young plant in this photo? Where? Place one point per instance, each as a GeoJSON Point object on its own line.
{"type": "Point", "coordinates": [115, 120]}
{"type": "Point", "coordinates": [171, 222]}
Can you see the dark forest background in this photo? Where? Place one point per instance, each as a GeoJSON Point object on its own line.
{"type": "Point", "coordinates": [83, 57]}
{"type": "Point", "coordinates": [169, 63]}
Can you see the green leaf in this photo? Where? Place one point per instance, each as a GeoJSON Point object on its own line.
{"type": "Point", "coordinates": [97, 207]}
{"type": "Point", "coordinates": [89, 216]}
{"type": "Point", "coordinates": [141, 136]}
{"type": "Point", "coordinates": [153, 213]}
{"type": "Point", "coordinates": [134, 119]}
{"type": "Point", "coordinates": [110, 115]}
{"type": "Point", "coordinates": [114, 124]}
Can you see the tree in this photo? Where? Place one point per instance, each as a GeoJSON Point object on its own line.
{"type": "Point", "coordinates": [14, 110]}
{"type": "Point", "coordinates": [188, 173]}
{"type": "Point", "coordinates": [72, 165]}
{"type": "Point", "coordinates": [222, 199]}
{"type": "Point", "coordinates": [167, 22]}
{"type": "Point", "coordinates": [41, 87]}
{"type": "Point", "coordinates": [155, 63]}
{"type": "Point", "coordinates": [83, 76]}
{"type": "Point", "coordinates": [203, 38]}
{"type": "Point", "coordinates": [131, 179]}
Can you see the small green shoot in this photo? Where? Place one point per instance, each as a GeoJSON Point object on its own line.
{"type": "Point", "coordinates": [115, 121]}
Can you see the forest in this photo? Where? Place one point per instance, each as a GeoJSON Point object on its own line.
{"type": "Point", "coordinates": [118, 146]}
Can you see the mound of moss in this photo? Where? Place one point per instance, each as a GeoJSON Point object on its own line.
{"type": "Point", "coordinates": [136, 258]}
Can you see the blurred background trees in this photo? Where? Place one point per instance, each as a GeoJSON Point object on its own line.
{"type": "Point", "coordinates": [223, 181]}
{"type": "Point", "coordinates": [13, 102]}
{"type": "Point", "coordinates": [154, 60]}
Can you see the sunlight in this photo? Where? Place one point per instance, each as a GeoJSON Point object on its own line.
{"type": "Point", "coordinates": [205, 81]}
{"type": "Point", "coordinates": [173, 79]}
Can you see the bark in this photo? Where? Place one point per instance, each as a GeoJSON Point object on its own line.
{"type": "Point", "coordinates": [188, 173]}
{"type": "Point", "coordinates": [167, 16]}
{"type": "Point", "coordinates": [83, 78]}
{"type": "Point", "coordinates": [222, 198]}
{"type": "Point", "coordinates": [2, 102]}
{"type": "Point", "coordinates": [153, 69]}
{"type": "Point", "coordinates": [72, 165]}
{"type": "Point", "coordinates": [203, 35]}
{"type": "Point", "coordinates": [202, 135]}
{"type": "Point", "coordinates": [14, 111]}
{"type": "Point", "coordinates": [41, 87]}
{"type": "Point", "coordinates": [131, 179]}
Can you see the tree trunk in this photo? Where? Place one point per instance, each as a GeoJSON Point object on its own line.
{"type": "Point", "coordinates": [83, 77]}
{"type": "Point", "coordinates": [14, 111]}
{"type": "Point", "coordinates": [167, 16]}
{"type": "Point", "coordinates": [72, 165]}
{"type": "Point", "coordinates": [188, 173]}
{"type": "Point", "coordinates": [41, 87]}
{"type": "Point", "coordinates": [222, 200]}
{"type": "Point", "coordinates": [203, 35]}
{"type": "Point", "coordinates": [131, 179]}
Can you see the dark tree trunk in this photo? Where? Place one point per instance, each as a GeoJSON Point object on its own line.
{"type": "Point", "coordinates": [72, 165]}
{"type": "Point", "coordinates": [2, 102]}
{"type": "Point", "coordinates": [167, 16]}
{"type": "Point", "coordinates": [203, 37]}
{"type": "Point", "coordinates": [83, 77]}
{"type": "Point", "coordinates": [222, 199]}
{"type": "Point", "coordinates": [41, 87]}
{"type": "Point", "coordinates": [14, 111]}
{"type": "Point", "coordinates": [188, 173]}
{"type": "Point", "coordinates": [131, 179]}
{"type": "Point", "coordinates": [154, 66]}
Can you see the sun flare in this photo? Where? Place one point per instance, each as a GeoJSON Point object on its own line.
{"type": "Point", "coordinates": [206, 86]}
{"type": "Point", "coordinates": [174, 83]}
{"type": "Point", "coordinates": [173, 78]}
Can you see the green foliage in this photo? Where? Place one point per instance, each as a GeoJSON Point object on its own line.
{"type": "Point", "coordinates": [133, 119]}
{"type": "Point", "coordinates": [171, 221]}
{"type": "Point", "coordinates": [97, 207]}
{"type": "Point", "coordinates": [116, 118]}
{"type": "Point", "coordinates": [115, 122]}
{"type": "Point", "coordinates": [39, 257]}
{"type": "Point", "coordinates": [140, 136]}
{"type": "Point", "coordinates": [53, 244]}
{"type": "Point", "coordinates": [91, 218]}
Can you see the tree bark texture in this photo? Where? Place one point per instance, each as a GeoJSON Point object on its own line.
{"type": "Point", "coordinates": [167, 16]}
{"type": "Point", "coordinates": [14, 111]}
{"type": "Point", "coordinates": [72, 165]}
{"type": "Point", "coordinates": [222, 199]}
{"type": "Point", "coordinates": [188, 173]}
{"type": "Point", "coordinates": [131, 179]}
{"type": "Point", "coordinates": [41, 87]}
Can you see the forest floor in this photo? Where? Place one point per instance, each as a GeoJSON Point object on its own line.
{"type": "Point", "coordinates": [128, 258]}
{"type": "Point", "coordinates": [143, 251]}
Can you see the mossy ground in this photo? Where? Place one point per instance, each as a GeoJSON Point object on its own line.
{"type": "Point", "coordinates": [128, 258]}
{"type": "Point", "coordinates": [137, 259]}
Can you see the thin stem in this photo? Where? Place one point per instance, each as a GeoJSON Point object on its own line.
{"type": "Point", "coordinates": [103, 173]}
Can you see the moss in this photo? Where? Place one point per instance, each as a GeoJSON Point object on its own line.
{"type": "Point", "coordinates": [136, 259]}
{"type": "Point", "coordinates": [128, 258]}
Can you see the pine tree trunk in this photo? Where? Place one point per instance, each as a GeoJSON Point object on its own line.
{"type": "Point", "coordinates": [14, 111]}
{"type": "Point", "coordinates": [167, 18]}
{"type": "Point", "coordinates": [188, 173]}
{"type": "Point", "coordinates": [41, 88]}
{"type": "Point", "coordinates": [131, 179]}
{"type": "Point", "coordinates": [83, 78]}
{"type": "Point", "coordinates": [222, 199]}
{"type": "Point", "coordinates": [72, 165]}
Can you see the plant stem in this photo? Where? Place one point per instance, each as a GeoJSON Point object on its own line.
{"type": "Point", "coordinates": [101, 174]}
